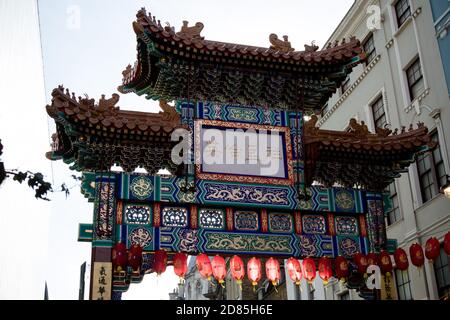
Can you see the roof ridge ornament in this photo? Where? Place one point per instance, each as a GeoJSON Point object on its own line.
{"type": "Point", "coordinates": [280, 45]}
{"type": "Point", "coordinates": [360, 130]}
{"type": "Point", "coordinates": [168, 112]}
{"type": "Point", "coordinates": [191, 33]}
{"type": "Point", "coordinates": [311, 48]}
{"type": "Point", "coordinates": [105, 104]}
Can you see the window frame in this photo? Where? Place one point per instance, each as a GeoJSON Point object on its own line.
{"type": "Point", "coordinates": [402, 17]}
{"type": "Point", "coordinates": [416, 61]}
{"type": "Point", "coordinates": [431, 173]}
{"type": "Point", "coordinates": [401, 286]}
{"type": "Point", "coordinates": [397, 214]}
{"type": "Point", "coordinates": [379, 103]}
{"type": "Point", "coordinates": [438, 266]}
{"type": "Point", "coordinates": [370, 38]}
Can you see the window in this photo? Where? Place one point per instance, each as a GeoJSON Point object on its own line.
{"type": "Point", "coordinates": [403, 11]}
{"type": "Point", "coordinates": [393, 215]}
{"type": "Point", "coordinates": [442, 273]}
{"type": "Point", "coordinates": [369, 48]}
{"type": "Point", "coordinates": [403, 284]}
{"type": "Point", "coordinates": [431, 171]}
{"type": "Point", "coordinates": [441, 175]}
{"type": "Point", "coordinates": [345, 84]}
{"type": "Point", "coordinates": [379, 116]}
{"type": "Point", "coordinates": [415, 79]}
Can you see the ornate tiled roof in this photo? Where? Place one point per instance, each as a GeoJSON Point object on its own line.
{"type": "Point", "coordinates": [360, 158]}
{"type": "Point", "coordinates": [95, 136]}
{"type": "Point", "coordinates": [229, 72]}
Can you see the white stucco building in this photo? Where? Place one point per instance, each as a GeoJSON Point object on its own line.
{"type": "Point", "coordinates": [402, 83]}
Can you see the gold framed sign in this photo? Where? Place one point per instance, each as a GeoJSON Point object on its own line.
{"type": "Point", "coordinates": [242, 152]}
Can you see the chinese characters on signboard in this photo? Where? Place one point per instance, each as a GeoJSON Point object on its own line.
{"type": "Point", "coordinates": [101, 282]}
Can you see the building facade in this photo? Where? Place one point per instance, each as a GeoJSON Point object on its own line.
{"type": "Point", "coordinates": [403, 82]}
{"type": "Point", "coordinates": [441, 19]}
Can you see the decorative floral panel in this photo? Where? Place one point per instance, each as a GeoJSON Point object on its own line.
{"type": "Point", "coordinates": [348, 245]}
{"type": "Point", "coordinates": [212, 219]}
{"type": "Point", "coordinates": [314, 224]}
{"type": "Point", "coordinates": [141, 187]}
{"type": "Point", "coordinates": [246, 221]}
{"type": "Point", "coordinates": [174, 217]}
{"type": "Point", "coordinates": [142, 236]}
{"type": "Point", "coordinates": [346, 226]}
{"type": "Point", "coordinates": [280, 223]}
{"type": "Point", "coordinates": [137, 214]}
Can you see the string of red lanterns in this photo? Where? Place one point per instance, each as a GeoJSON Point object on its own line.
{"type": "Point", "coordinates": [122, 258]}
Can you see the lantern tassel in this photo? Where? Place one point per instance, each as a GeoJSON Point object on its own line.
{"type": "Point", "coordinates": [275, 286]}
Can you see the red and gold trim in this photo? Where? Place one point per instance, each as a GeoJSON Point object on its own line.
{"type": "Point", "coordinates": [264, 221]}
{"type": "Point", "coordinates": [157, 215]}
{"type": "Point", "coordinates": [119, 212]}
{"type": "Point", "coordinates": [239, 178]}
{"type": "Point", "coordinates": [194, 217]}
{"type": "Point", "coordinates": [331, 224]}
{"type": "Point", "coordinates": [230, 223]}
{"type": "Point", "coordinates": [298, 222]}
{"type": "Point", "coordinates": [362, 226]}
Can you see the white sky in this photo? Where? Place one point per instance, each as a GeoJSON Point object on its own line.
{"type": "Point", "coordinates": [38, 240]}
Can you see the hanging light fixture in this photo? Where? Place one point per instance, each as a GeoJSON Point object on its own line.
{"type": "Point", "coordinates": [160, 261]}
{"type": "Point", "coordinates": [341, 268]}
{"type": "Point", "coordinates": [401, 259]}
{"type": "Point", "coordinates": [385, 263]}
{"type": "Point", "coordinates": [219, 269]}
{"type": "Point", "coordinates": [180, 264]}
{"type": "Point", "coordinates": [447, 243]}
{"type": "Point", "coordinates": [135, 257]}
{"type": "Point", "coordinates": [254, 271]}
{"type": "Point", "coordinates": [309, 270]}
{"type": "Point", "coordinates": [325, 269]}
{"type": "Point", "coordinates": [119, 256]}
{"type": "Point", "coordinates": [416, 254]}
{"type": "Point", "coordinates": [237, 269]}
{"type": "Point", "coordinates": [273, 271]}
{"type": "Point", "coordinates": [295, 270]}
{"type": "Point", "coordinates": [432, 249]}
{"type": "Point", "coordinates": [204, 266]}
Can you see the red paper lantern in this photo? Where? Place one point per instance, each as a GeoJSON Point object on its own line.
{"type": "Point", "coordinates": [160, 261]}
{"type": "Point", "coordinates": [273, 272]}
{"type": "Point", "coordinates": [309, 270]}
{"type": "Point", "coordinates": [341, 268]}
{"type": "Point", "coordinates": [119, 256]}
{"type": "Point", "coordinates": [204, 266]}
{"type": "Point", "coordinates": [135, 257]}
{"type": "Point", "coordinates": [401, 259]}
{"type": "Point", "coordinates": [237, 269]}
{"type": "Point", "coordinates": [219, 269]}
{"type": "Point", "coordinates": [416, 254]}
{"type": "Point", "coordinates": [385, 263]}
{"type": "Point", "coordinates": [254, 270]}
{"type": "Point", "coordinates": [447, 243]}
{"type": "Point", "coordinates": [432, 249]}
{"type": "Point", "coordinates": [361, 262]}
{"type": "Point", "coordinates": [294, 270]}
{"type": "Point", "coordinates": [372, 259]}
{"type": "Point", "coordinates": [180, 264]}
{"type": "Point", "coordinates": [325, 269]}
